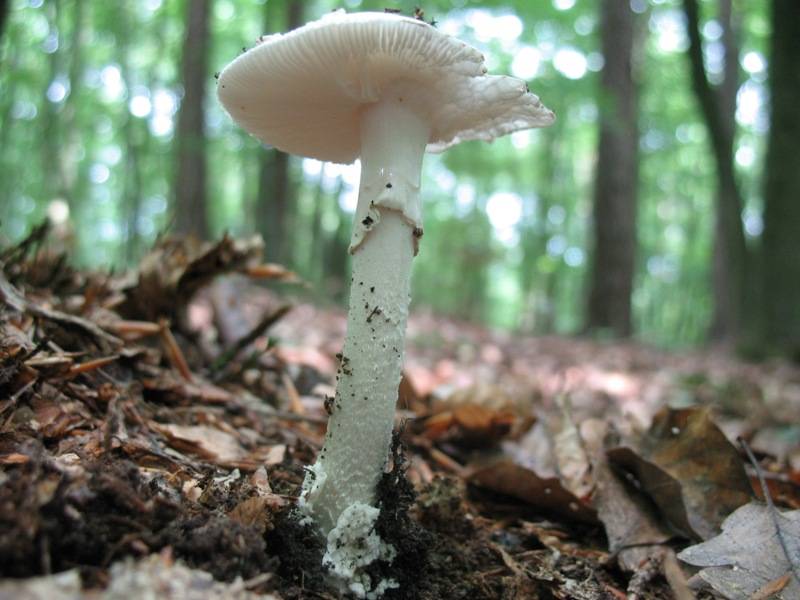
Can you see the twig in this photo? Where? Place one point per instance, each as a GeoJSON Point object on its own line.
{"type": "Point", "coordinates": [36, 350]}
{"type": "Point", "coordinates": [295, 403]}
{"type": "Point", "coordinates": [444, 461]}
{"type": "Point", "coordinates": [91, 365]}
{"type": "Point", "coordinates": [270, 271]}
{"type": "Point", "coordinates": [771, 506]}
{"type": "Point", "coordinates": [174, 352]}
{"type": "Point", "coordinates": [248, 339]}
{"type": "Point", "coordinates": [35, 237]}
{"type": "Point", "coordinates": [135, 329]}
{"type": "Point", "coordinates": [615, 554]}
{"type": "Point", "coordinates": [14, 398]}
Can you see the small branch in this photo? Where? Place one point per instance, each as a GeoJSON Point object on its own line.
{"type": "Point", "coordinates": [35, 238]}
{"type": "Point", "coordinates": [267, 322]}
{"type": "Point", "coordinates": [771, 506]}
{"type": "Point", "coordinates": [134, 329]}
{"type": "Point", "coordinates": [91, 365]}
{"type": "Point", "coordinates": [174, 352]}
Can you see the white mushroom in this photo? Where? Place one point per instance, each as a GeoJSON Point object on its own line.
{"type": "Point", "coordinates": [384, 88]}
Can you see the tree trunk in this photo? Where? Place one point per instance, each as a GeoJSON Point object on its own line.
{"type": "Point", "coordinates": [4, 8]}
{"type": "Point", "coordinates": [726, 321]}
{"type": "Point", "coordinates": [535, 282]}
{"type": "Point", "coordinates": [314, 266]}
{"type": "Point", "coordinates": [190, 178]}
{"type": "Point", "coordinates": [781, 241]}
{"type": "Point", "coordinates": [272, 203]}
{"type": "Point", "coordinates": [131, 132]}
{"type": "Point", "coordinates": [718, 105]}
{"type": "Point", "coordinates": [274, 185]}
{"type": "Point", "coordinates": [616, 180]}
{"type": "Point", "coordinates": [75, 169]}
{"type": "Point", "coordinates": [53, 185]}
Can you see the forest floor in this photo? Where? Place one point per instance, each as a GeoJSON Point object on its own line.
{"type": "Point", "coordinates": [155, 425]}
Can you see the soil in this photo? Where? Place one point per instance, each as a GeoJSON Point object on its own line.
{"type": "Point", "coordinates": [131, 428]}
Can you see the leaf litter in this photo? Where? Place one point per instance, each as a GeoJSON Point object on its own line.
{"type": "Point", "coordinates": [154, 426]}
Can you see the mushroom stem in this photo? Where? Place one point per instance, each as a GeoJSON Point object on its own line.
{"type": "Point", "coordinates": [386, 228]}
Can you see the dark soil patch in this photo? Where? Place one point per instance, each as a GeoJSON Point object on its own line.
{"type": "Point", "coordinates": [51, 521]}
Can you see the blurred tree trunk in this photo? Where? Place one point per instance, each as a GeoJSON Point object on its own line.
{"type": "Point", "coordinates": [189, 192]}
{"type": "Point", "coordinates": [73, 144]}
{"type": "Point", "coordinates": [781, 239]}
{"type": "Point", "coordinates": [272, 203]}
{"type": "Point", "coordinates": [52, 181]}
{"type": "Point", "coordinates": [535, 281]}
{"type": "Point", "coordinates": [616, 180]}
{"type": "Point", "coordinates": [4, 9]}
{"type": "Point", "coordinates": [131, 132]}
{"type": "Point", "coordinates": [718, 105]}
{"type": "Point", "coordinates": [317, 234]}
{"type": "Point", "coordinates": [335, 259]}
{"type": "Point", "coordinates": [274, 185]}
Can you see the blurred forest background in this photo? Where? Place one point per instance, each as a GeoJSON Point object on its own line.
{"type": "Point", "coordinates": [664, 203]}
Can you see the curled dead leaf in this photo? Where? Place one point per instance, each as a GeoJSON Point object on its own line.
{"type": "Point", "coordinates": [689, 469]}
{"type": "Point", "coordinates": [547, 494]}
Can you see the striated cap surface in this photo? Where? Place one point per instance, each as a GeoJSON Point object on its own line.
{"type": "Point", "coordinates": [303, 92]}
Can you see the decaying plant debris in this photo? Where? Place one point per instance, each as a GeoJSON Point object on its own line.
{"type": "Point", "coordinates": [150, 432]}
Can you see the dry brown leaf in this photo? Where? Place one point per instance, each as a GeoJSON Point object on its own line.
{"type": "Point", "coordinates": [477, 416]}
{"type": "Point", "coordinates": [270, 455]}
{"type": "Point", "coordinates": [747, 556]}
{"type": "Point", "coordinates": [689, 469]}
{"type": "Point", "coordinates": [572, 460]}
{"type": "Point", "coordinates": [253, 512]}
{"type": "Point", "coordinates": [173, 390]}
{"type": "Point", "coordinates": [408, 397]}
{"type": "Point", "coordinates": [634, 532]}
{"type": "Point", "coordinates": [176, 268]}
{"type": "Point", "coordinates": [546, 494]}
{"type": "Point", "coordinates": [207, 442]}
{"type": "Point", "coordinates": [471, 425]}
{"type": "Point", "coordinates": [14, 459]}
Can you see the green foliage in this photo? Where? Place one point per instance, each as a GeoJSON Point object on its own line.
{"type": "Point", "coordinates": [88, 94]}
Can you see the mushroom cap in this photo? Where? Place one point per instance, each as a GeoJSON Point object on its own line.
{"type": "Point", "coordinates": [303, 92]}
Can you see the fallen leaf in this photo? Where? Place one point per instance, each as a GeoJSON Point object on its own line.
{"type": "Point", "coordinates": [177, 267]}
{"type": "Point", "coordinates": [271, 455]}
{"type": "Point", "coordinates": [747, 556]}
{"type": "Point", "coordinates": [573, 463]}
{"type": "Point", "coordinates": [634, 532]}
{"type": "Point", "coordinates": [204, 441]}
{"type": "Point", "coordinates": [689, 469]}
{"type": "Point", "coordinates": [506, 477]}
{"type": "Point", "coordinates": [470, 424]}
{"type": "Point", "coordinates": [253, 512]}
